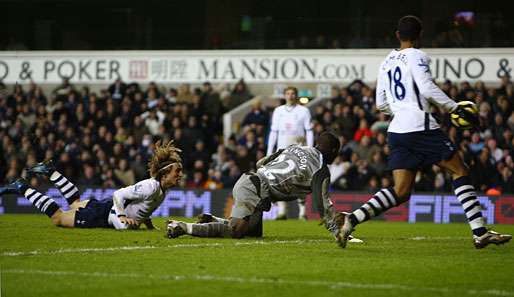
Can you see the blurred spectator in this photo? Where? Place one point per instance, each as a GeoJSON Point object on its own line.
{"type": "Point", "coordinates": [239, 95]}
{"type": "Point", "coordinates": [358, 174]}
{"type": "Point", "coordinates": [63, 89]}
{"type": "Point", "coordinates": [184, 94]}
{"type": "Point", "coordinates": [117, 89]}
{"type": "Point", "coordinates": [213, 181]}
{"type": "Point", "coordinates": [153, 120]}
{"type": "Point", "coordinates": [211, 102]}
{"type": "Point", "coordinates": [362, 131]}
{"type": "Point", "coordinates": [506, 181]}
{"type": "Point", "coordinates": [199, 153]}
{"type": "Point", "coordinates": [197, 180]}
{"type": "Point", "coordinates": [482, 170]}
{"type": "Point", "coordinates": [89, 176]}
{"type": "Point", "coordinates": [171, 96]}
{"type": "Point", "coordinates": [124, 173]}
{"type": "Point", "coordinates": [138, 166]}
{"type": "Point", "coordinates": [257, 116]}
{"type": "Point", "coordinates": [496, 153]}
{"type": "Point", "coordinates": [476, 144]}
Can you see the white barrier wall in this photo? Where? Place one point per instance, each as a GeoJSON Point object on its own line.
{"type": "Point", "coordinates": [254, 66]}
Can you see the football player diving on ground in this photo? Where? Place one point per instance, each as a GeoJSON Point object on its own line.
{"type": "Point", "coordinates": [129, 207]}
{"type": "Point", "coordinates": [283, 176]}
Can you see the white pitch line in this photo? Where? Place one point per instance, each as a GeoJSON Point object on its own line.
{"type": "Point", "coordinates": [334, 285]}
{"type": "Point", "coordinates": [151, 247]}
{"type": "Point", "coordinates": [417, 238]}
{"type": "Point", "coordinates": [192, 245]}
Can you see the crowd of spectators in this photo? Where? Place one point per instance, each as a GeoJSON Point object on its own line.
{"type": "Point", "coordinates": [105, 139]}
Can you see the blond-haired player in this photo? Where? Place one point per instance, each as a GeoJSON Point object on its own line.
{"type": "Point", "coordinates": [128, 209]}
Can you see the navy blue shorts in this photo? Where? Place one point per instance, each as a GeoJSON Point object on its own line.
{"type": "Point", "coordinates": [94, 215]}
{"type": "Point", "coordinates": [417, 149]}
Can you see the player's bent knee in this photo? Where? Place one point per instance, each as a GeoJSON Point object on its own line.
{"type": "Point", "coordinates": [238, 228]}
{"type": "Point", "coordinates": [461, 171]}
{"type": "Point", "coordinates": [56, 219]}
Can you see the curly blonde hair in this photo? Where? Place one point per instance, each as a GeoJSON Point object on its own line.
{"type": "Point", "coordinates": [164, 155]}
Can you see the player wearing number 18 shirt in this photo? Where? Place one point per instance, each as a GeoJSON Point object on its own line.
{"type": "Point", "coordinates": [287, 174]}
{"type": "Point", "coordinates": [405, 89]}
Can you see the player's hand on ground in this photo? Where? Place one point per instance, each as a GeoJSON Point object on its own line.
{"type": "Point", "coordinates": [128, 221]}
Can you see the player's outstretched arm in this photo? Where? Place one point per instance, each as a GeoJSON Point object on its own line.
{"type": "Point", "coordinates": [321, 199]}
{"type": "Point", "coordinates": [120, 196]}
{"type": "Point", "coordinates": [419, 65]}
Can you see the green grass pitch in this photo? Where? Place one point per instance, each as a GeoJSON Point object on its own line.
{"type": "Point", "coordinates": [294, 258]}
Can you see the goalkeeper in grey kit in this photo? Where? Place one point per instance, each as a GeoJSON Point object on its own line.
{"type": "Point", "coordinates": [283, 176]}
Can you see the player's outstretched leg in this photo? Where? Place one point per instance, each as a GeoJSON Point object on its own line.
{"type": "Point", "coordinates": [212, 229]}
{"type": "Point", "coordinates": [254, 225]}
{"type": "Point", "coordinates": [47, 168]}
{"type": "Point", "coordinates": [381, 202]}
{"type": "Point", "coordinates": [42, 202]}
{"type": "Point", "coordinates": [235, 228]}
{"type": "Point", "coordinates": [465, 193]}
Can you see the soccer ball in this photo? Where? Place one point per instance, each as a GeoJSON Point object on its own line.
{"type": "Point", "coordinates": [465, 116]}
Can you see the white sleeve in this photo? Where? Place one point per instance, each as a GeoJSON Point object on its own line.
{"type": "Point", "coordinates": [310, 137]}
{"type": "Point", "coordinates": [272, 138]}
{"type": "Point", "coordinates": [307, 125]}
{"type": "Point", "coordinates": [137, 192]}
{"type": "Point", "coordinates": [381, 97]}
{"type": "Point", "coordinates": [144, 115]}
{"type": "Point", "coordinates": [419, 66]}
{"type": "Point", "coordinates": [114, 220]}
{"type": "Point", "coordinates": [161, 116]}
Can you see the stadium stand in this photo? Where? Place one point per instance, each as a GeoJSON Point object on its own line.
{"type": "Point", "coordinates": [105, 138]}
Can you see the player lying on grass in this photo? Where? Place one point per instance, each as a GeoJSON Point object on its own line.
{"type": "Point", "coordinates": [128, 209]}
{"type": "Point", "coordinates": [283, 176]}
{"type": "Point", "coordinates": [405, 88]}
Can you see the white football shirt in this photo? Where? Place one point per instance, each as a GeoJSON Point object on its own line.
{"type": "Point", "coordinates": [405, 89]}
{"type": "Point", "coordinates": [287, 124]}
{"type": "Point", "coordinates": [138, 201]}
